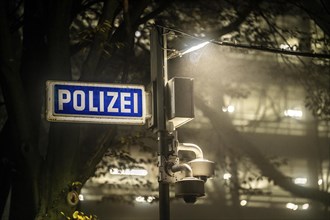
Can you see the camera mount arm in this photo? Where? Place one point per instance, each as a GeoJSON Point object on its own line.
{"type": "Point", "coordinates": [182, 167]}
{"type": "Point", "coordinates": [191, 147]}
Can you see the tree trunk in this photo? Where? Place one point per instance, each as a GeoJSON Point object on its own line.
{"type": "Point", "coordinates": [26, 153]}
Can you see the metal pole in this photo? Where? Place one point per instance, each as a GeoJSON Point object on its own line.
{"type": "Point", "coordinates": [159, 77]}
{"type": "Point", "coordinates": [164, 189]}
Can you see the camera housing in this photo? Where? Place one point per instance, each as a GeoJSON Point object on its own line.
{"type": "Point", "coordinates": [196, 172]}
{"type": "Point", "coordinates": [189, 188]}
{"type": "Point", "coordinates": [202, 168]}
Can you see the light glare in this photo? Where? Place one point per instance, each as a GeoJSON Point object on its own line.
{"type": "Point", "coordinates": [197, 47]}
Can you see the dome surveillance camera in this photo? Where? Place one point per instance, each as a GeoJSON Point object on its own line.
{"type": "Point", "coordinates": [190, 199]}
{"type": "Point", "coordinates": [189, 188]}
{"type": "Point", "coordinates": [202, 168]}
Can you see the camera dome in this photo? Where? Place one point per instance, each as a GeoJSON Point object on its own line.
{"type": "Point", "coordinates": [189, 188]}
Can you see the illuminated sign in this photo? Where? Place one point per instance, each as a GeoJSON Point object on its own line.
{"type": "Point", "coordinates": [95, 103]}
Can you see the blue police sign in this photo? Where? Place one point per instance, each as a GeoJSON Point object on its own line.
{"type": "Point", "coordinates": [95, 102]}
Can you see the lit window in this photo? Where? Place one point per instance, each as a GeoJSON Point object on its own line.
{"type": "Point", "coordinates": [81, 197]}
{"type": "Point", "coordinates": [300, 181]}
{"type": "Point", "coordinates": [140, 199]}
{"type": "Point", "coordinates": [129, 172]}
{"type": "Point", "coordinates": [291, 206]}
{"type": "Point", "coordinates": [143, 199]}
{"type": "Point", "coordinates": [293, 113]}
{"type": "Point", "coordinates": [137, 34]}
{"type": "Point", "coordinates": [150, 199]}
{"type": "Point", "coordinates": [305, 206]}
{"type": "Point", "coordinates": [243, 203]}
{"type": "Point", "coordinates": [229, 108]}
{"type": "Point", "coordinates": [226, 176]}
{"type": "Point", "coordinates": [284, 47]}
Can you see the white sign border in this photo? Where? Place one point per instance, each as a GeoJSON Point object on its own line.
{"type": "Point", "coordinates": [52, 117]}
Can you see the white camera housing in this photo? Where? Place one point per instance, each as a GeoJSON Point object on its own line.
{"type": "Point", "coordinates": [196, 171]}
{"type": "Point", "coordinates": [202, 168]}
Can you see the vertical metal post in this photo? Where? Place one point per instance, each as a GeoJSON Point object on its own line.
{"type": "Point", "coordinates": [159, 77]}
